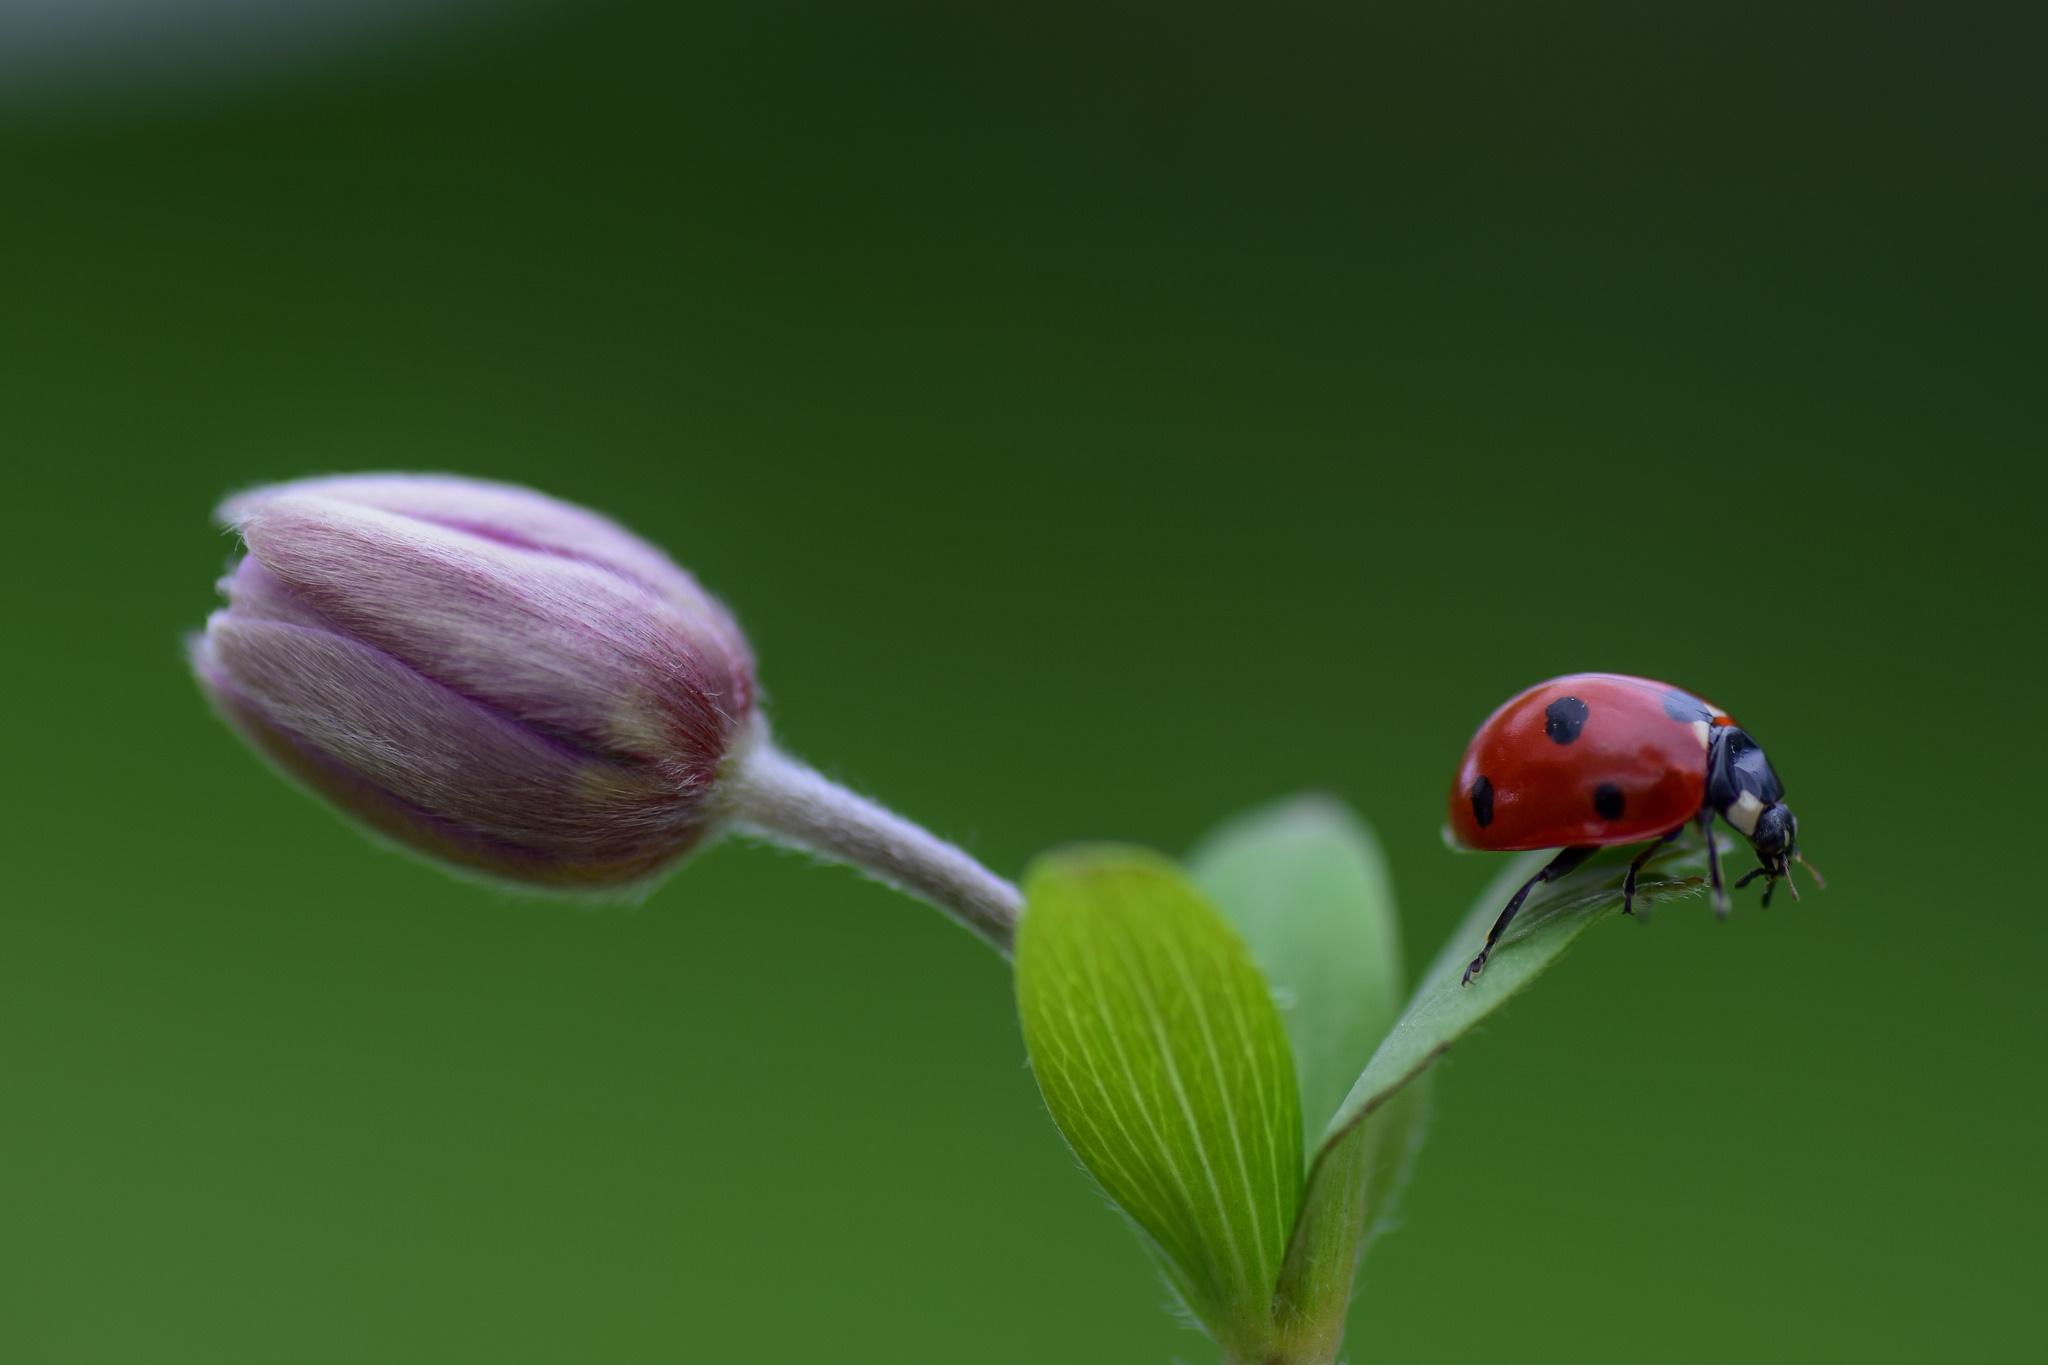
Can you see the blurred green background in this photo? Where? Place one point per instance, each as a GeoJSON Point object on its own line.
{"type": "Point", "coordinates": [1102, 420]}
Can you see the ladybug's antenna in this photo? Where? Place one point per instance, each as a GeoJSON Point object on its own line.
{"type": "Point", "coordinates": [1818, 880]}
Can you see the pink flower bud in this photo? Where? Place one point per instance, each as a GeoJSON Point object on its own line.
{"type": "Point", "coordinates": [494, 678]}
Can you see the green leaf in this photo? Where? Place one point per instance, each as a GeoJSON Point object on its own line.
{"type": "Point", "coordinates": [1552, 919]}
{"type": "Point", "coordinates": [1305, 884]}
{"type": "Point", "coordinates": [1363, 1157]}
{"type": "Point", "coordinates": [1160, 1054]}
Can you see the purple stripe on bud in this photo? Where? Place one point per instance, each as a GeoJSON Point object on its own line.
{"type": "Point", "coordinates": [495, 678]}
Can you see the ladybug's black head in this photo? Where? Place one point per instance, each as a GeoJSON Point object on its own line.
{"type": "Point", "coordinates": [1749, 796]}
{"type": "Point", "coordinates": [1776, 838]}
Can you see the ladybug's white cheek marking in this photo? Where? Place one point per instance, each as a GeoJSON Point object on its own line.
{"type": "Point", "coordinates": [1743, 814]}
{"type": "Point", "coordinates": [1701, 729]}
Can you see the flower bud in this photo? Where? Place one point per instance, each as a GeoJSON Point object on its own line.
{"type": "Point", "coordinates": [486, 675]}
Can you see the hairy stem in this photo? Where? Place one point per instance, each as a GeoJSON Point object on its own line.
{"type": "Point", "coordinates": [773, 796]}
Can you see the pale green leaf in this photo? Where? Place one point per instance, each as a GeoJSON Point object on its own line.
{"type": "Point", "coordinates": [1162, 1059]}
{"type": "Point", "coordinates": [1305, 884]}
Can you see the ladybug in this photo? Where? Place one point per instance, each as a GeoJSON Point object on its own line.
{"type": "Point", "coordinates": [1594, 760]}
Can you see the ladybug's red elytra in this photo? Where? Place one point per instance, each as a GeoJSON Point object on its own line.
{"type": "Point", "coordinates": [1593, 760]}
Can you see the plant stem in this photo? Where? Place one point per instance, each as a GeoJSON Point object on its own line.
{"type": "Point", "coordinates": [773, 796]}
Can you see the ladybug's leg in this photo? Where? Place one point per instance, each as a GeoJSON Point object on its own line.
{"type": "Point", "coordinates": [1746, 878]}
{"type": "Point", "coordinates": [1566, 860]}
{"type": "Point", "coordinates": [1714, 865]}
{"type": "Point", "coordinates": [1770, 883]}
{"type": "Point", "coordinates": [1628, 883]}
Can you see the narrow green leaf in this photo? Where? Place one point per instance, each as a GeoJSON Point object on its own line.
{"type": "Point", "coordinates": [1305, 884]}
{"type": "Point", "coordinates": [1163, 1061]}
{"type": "Point", "coordinates": [1552, 919]}
{"type": "Point", "coordinates": [1362, 1160]}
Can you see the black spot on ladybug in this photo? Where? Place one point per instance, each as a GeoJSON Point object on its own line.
{"type": "Point", "coordinates": [1608, 800]}
{"type": "Point", "coordinates": [1563, 719]}
{"type": "Point", "coordinates": [1482, 802]}
{"type": "Point", "coordinates": [1683, 706]}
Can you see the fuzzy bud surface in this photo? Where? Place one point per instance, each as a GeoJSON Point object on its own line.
{"type": "Point", "coordinates": [497, 679]}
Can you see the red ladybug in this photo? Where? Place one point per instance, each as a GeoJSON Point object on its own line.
{"type": "Point", "coordinates": [1593, 760]}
